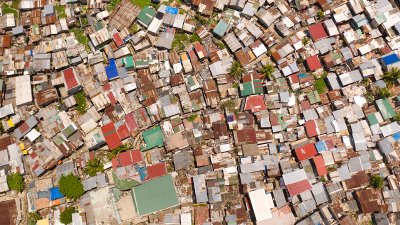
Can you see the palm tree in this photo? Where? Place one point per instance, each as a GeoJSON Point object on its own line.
{"type": "Point", "coordinates": [268, 70]}
{"type": "Point", "coordinates": [236, 70]}
{"type": "Point", "coordinates": [384, 92]}
{"type": "Point", "coordinates": [94, 166]}
{"type": "Point", "coordinates": [391, 76]}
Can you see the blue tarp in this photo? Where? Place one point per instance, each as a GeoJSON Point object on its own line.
{"type": "Point", "coordinates": [55, 194]}
{"type": "Point", "coordinates": [390, 59]}
{"type": "Point", "coordinates": [111, 70]}
{"type": "Point", "coordinates": [320, 145]}
{"type": "Point", "coordinates": [171, 10]}
{"type": "Point", "coordinates": [396, 136]}
{"type": "Point", "coordinates": [142, 172]}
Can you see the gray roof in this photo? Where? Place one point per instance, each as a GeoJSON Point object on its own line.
{"type": "Point", "coordinates": [181, 160]}
{"type": "Point", "coordinates": [319, 193]}
{"type": "Point", "coordinates": [279, 197]}
{"type": "Point", "coordinates": [199, 182]}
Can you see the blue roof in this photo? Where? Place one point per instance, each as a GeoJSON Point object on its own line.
{"type": "Point", "coordinates": [111, 70]}
{"type": "Point", "coordinates": [390, 59]}
{"type": "Point", "coordinates": [171, 10]}
{"type": "Point", "coordinates": [55, 194]}
{"type": "Point", "coordinates": [320, 145]}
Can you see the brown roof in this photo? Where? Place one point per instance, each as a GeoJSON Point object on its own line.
{"type": "Point", "coordinates": [46, 97]}
{"type": "Point", "coordinates": [177, 79]}
{"type": "Point", "coordinates": [8, 212]}
{"type": "Point", "coordinates": [5, 141]}
{"type": "Point", "coordinates": [124, 15]}
{"type": "Point", "coordinates": [358, 180]}
{"type": "Point", "coordinates": [220, 129]}
{"type": "Point", "coordinates": [370, 201]}
{"type": "Point", "coordinates": [347, 220]}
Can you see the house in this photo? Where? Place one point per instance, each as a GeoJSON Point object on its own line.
{"type": "Point", "coordinates": [261, 203]}
{"type": "Point", "coordinates": [111, 136]}
{"type": "Point", "coordinates": [313, 63]}
{"type": "Point", "coordinates": [71, 81]}
{"type": "Point", "coordinates": [200, 188]}
{"type": "Point", "coordinates": [146, 15]}
{"type": "Point", "coordinates": [306, 151]}
{"type": "Point", "coordinates": [296, 182]}
{"type": "Point", "coordinates": [317, 32]}
{"type": "Point", "coordinates": [221, 28]}
{"type": "Point", "coordinates": [23, 90]}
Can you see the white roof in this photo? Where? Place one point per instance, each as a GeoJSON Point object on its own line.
{"type": "Point", "coordinates": [186, 219]}
{"type": "Point", "coordinates": [262, 204]}
{"type": "Point", "coordinates": [23, 90]}
{"type": "Point", "coordinates": [33, 135]}
{"type": "Point", "coordinates": [294, 176]}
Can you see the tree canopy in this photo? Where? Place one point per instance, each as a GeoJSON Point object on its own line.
{"type": "Point", "coordinates": [236, 70]}
{"type": "Point", "coordinates": [94, 166]}
{"type": "Point", "coordinates": [71, 186]}
{"type": "Point", "coordinates": [376, 181]}
{"type": "Point", "coordinates": [15, 182]}
{"type": "Point", "coordinates": [268, 70]}
{"type": "Point", "coordinates": [391, 76]}
{"type": "Point", "coordinates": [33, 217]}
{"type": "Point", "coordinates": [66, 215]}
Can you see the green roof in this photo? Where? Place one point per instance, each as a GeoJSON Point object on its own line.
{"type": "Point", "coordinates": [221, 28]}
{"type": "Point", "coordinates": [146, 15]}
{"type": "Point", "coordinates": [251, 88]}
{"type": "Point", "coordinates": [124, 184]}
{"type": "Point", "coordinates": [385, 108]}
{"type": "Point", "coordinates": [153, 137]}
{"type": "Point", "coordinates": [128, 62]}
{"type": "Point", "coordinates": [155, 195]}
{"type": "Point", "coordinates": [372, 120]}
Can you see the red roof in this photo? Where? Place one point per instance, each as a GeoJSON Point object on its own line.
{"type": "Point", "coordinates": [123, 131]}
{"type": "Point", "coordinates": [294, 78]}
{"type": "Point", "coordinates": [110, 96]}
{"type": "Point", "coordinates": [127, 158]}
{"type": "Point", "coordinates": [117, 39]}
{"type": "Point", "coordinates": [317, 31]}
{"type": "Point", "coordinates": [247, 135]}
{"type": "Point", "coordinates": [201, 52]}
{"type": "Point", "coordinates": [320, 165]}
{"type": "Point", "coordinates": [156, 170]}
{"type": "Point", "coordinates": [306, 151]}
{"type": "Point", "coordinates": [130, 121]}
{"type": "Point", "coordinates": [255, 103]}
{"type": "Point", "coordinates": [111, 136]}
{"type": "Point", "coordinates": [70, 78]}
{"type": "Point", "coordinates": [313, 62]}
{"type": "Point", "coordinates": [311, 128]}
{"type": "Point", "coordinates": [298, 187]}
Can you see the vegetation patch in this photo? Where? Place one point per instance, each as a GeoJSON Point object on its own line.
{"type": "Point", "coordinates": [71, 186]}
{"type": "Point", "coordinates": [66, 215]}
{"type": "Point", "coordinates": [60, 9]}
{"type": "Point", "coordinates": [15, 182]}
{"type": "Point", "coordinates": [80, 99]}
{"type": "Point", "coordinates": [81, 36]}
{"type": "Point", "coordinates": [320, 85]}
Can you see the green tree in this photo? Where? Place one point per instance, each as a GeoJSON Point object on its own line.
{"type": "Point", "coordinates": [33, 217]}
{"type": "Point", "coordinates": [305, 41]}
{"type": "Point", "coordinates": [384, 92]}
{"type": "Point", "coordinates": [192, 117]}
{"type": "Point", "coordinates": [229, 105]}
{"type": "Point", "coordinates": [268, 70]}
{"type": "Point", "coordinates": [397, 117]}
{"type": "Point", "coordinates": [116, 151]}
{"type": "Point", "coordinates": [320, 14]}
{"type": "Point", "coordinates": [66, 215]}
{"type": "Point", "coordinates": [94, 166]}
{"type": "Point", "coordinates": [71, 186]}
{"type": "Point", "coordinates": [15, 182]}
{"type": "Point", "coordinates": [391, 76]}
{"type": "Point", "coordinates": [376, 181]}
{"type": "Point", "coordinates": [236, 70]}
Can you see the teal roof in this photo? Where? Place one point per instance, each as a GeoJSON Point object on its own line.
{"type": "Point", "coordinates": [251, 88]}
{"type": "Point", "coordinates": [372, 120]}
{"type": "Point", "coordinates": [146, 15]}
{"type": "Point", "coordinates": [128, 62]}
{"type": "Point", "coordinates": [385, 108]}
{"type": "Point", "coordinates": [153, 138]}
{"type": "Point", "coordinates": [155, 195]}
{"type": "Point", "coordinates": [221, 28]}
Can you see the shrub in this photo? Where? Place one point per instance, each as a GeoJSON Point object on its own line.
{"type": "Point", "coordinates": [376, 181]}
